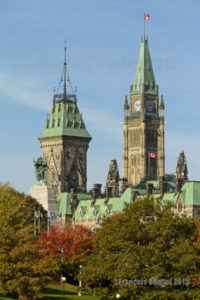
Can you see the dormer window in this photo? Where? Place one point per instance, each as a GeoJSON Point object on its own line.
{"type": "Point", "coordinates": [75, 124]}
{"type": "Point", "coordinates": [58, 122]}
{"type": "Point", "coordinates": [47, 125]}
{"type": "Point", "coordinates": [59, 106]}
{"type": "Point", "coordinates": [107, 211]}
{"type": "Point", "coordinates": [82, 125]}
{"type": "Point", "coordinates": [53, 124]}
{"type": "Point", "coordinates": [69, 124]}
{"type": "Point", "coordinates": [80, 213]}
{"type": "Point", "coordinates": [94, 212]}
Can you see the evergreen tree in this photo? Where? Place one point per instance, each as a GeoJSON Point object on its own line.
{"type": "Point", "coordinates": [146, 252]}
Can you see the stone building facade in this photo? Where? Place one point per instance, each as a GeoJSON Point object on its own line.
{"type": "Point", "coordinates": [143, 150]}
{"type": "Point", "coordinates": [64, 142]}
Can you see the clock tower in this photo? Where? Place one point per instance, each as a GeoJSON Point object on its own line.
{"type": "Point", "coordinates": [143, 149]}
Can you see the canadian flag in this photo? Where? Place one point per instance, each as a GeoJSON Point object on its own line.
{"type": "Point", "coordinates": [152, 155]}
{"type": "Point", "coordinates": [146, 16]}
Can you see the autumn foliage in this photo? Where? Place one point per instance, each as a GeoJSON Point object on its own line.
{"type": "Point", "coordinates": [68, 247]}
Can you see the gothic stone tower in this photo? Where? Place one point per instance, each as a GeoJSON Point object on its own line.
{"type": "Point", "coordinates": [181, 171]}
{"type": "Point", "coordinates": [64, 142]}
{"type": "Point", "coordinates": [143, 149]}
{"type": "Point", "coordinates": [113, 179]}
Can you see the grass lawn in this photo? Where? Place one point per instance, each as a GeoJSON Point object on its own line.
{"type": "Point", "coordinates": [55, 292]}
{"type": "Point", "coordinates": [70, 293]}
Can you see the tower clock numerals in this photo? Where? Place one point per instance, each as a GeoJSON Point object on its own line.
{"type": "Point", "coordinates": [137, 105]}
{"type": "Point", "coordinates": [150, 106]}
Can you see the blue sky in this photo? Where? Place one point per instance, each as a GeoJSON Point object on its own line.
{"type": "Point", "coordinates": [103, 42]}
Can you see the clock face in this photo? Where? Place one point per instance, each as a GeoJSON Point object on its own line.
{"type": "Point", "coordinates": [150, 106]}
{"type": "Point", "coordinates": [137, 105]}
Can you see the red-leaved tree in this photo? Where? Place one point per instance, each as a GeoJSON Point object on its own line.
{"type": "Point", "coordinates": [67, 248]}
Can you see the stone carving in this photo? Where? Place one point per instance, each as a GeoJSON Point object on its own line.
{"type": "Point", "coordinates": [40, 168]}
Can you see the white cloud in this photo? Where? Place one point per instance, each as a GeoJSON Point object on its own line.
{"type": "Point", "coordinates": [104, 121]}
{"type": "Point", "coordinates": [25, 90]}
{"type": "Point", "coordinates": [28, 91]}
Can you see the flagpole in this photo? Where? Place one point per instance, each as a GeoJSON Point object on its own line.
{"type": "Point", "coordinates": [144, 28]}
{"type": "Point", "coordinates": [149, 167]}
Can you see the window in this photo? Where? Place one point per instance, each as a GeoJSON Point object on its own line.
{"type": "Point", "coordinates": [59, 105]}
{"type": "Point", "coordinates": [80, 213]}
{"type": "Point", "coordinates": [107, 211]}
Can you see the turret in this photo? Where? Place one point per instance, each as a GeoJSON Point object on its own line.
{"type": "Point", "coordinates": [113, 179]}
{"type": "Point", "coordinates": [126, 107]}
{"type": "Point", "coordinates": [161, 107]}
{"type": "Point", "coordinates": [181, 171]}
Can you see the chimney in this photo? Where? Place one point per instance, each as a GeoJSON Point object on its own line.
{"type": "Point", "coordinates": [97, 188]}
{"type": "Point", "coordinates": [108, 192]}
{"type": "Point", "coordinates": [96, 193]}
{"type": "Point", "coordinates": [124, 184]}
{"type": "Point", "coordinates": [149, 188]}
{"type": "Point", "coordinates": [163, 185]}
{"type": "Point", "coordinates": [134, 195]}
{"type": "Point", "coordinates": [73, 200]}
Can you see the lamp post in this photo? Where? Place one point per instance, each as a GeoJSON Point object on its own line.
{"type": "Point", "coordinates": [118, 296]}
{"type": "Point", "coordinates": [63, 279]}
{"type": "Point", "coordinates": [80, 282]}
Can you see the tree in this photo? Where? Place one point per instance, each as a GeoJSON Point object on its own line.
{"type": "Point", "coordinates": [23, 270]}
{"type": "Point", "coordinates": [68, 247]}
{"type": "Point", "coordinates": [146, 253]}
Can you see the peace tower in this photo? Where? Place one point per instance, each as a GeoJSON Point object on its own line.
{"type": "Point", "coordinates": [143, 141]}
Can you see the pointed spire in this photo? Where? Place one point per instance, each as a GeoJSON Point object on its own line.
{"type": "Point", "coordinates": [126, 107]}
{"type": "Point", "coordinates": [144, 75]}
{"type": "Point", "coordinates": [113, 178]}
{"type": "Point", "coordinates": [181, 171]}
{"type": "Point", "coordinates": [65, 71]}
{"type": "Point", "coordinates": [162, 106]}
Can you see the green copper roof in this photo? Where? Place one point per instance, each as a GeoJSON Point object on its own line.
{"type": "Point", "coordinates": [65, 120]}
{"type": "Point", "coordinates": [190, 193]}
{"type": "Point", "coordinates": [126, 197]}
{"type": "Point", "coordinates": [144, 72]}
{"type": "Point", "coordinates": [86, 212]}
{"type": "Point", "coordinates": [169, 197]}
{"type": "Point", "coordinates": [63, 202]}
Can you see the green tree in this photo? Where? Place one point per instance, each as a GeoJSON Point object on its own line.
{"type": "Point", "coordinates": [23, 271]}
{"type": "Point", "coordinates": [146, 252]}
